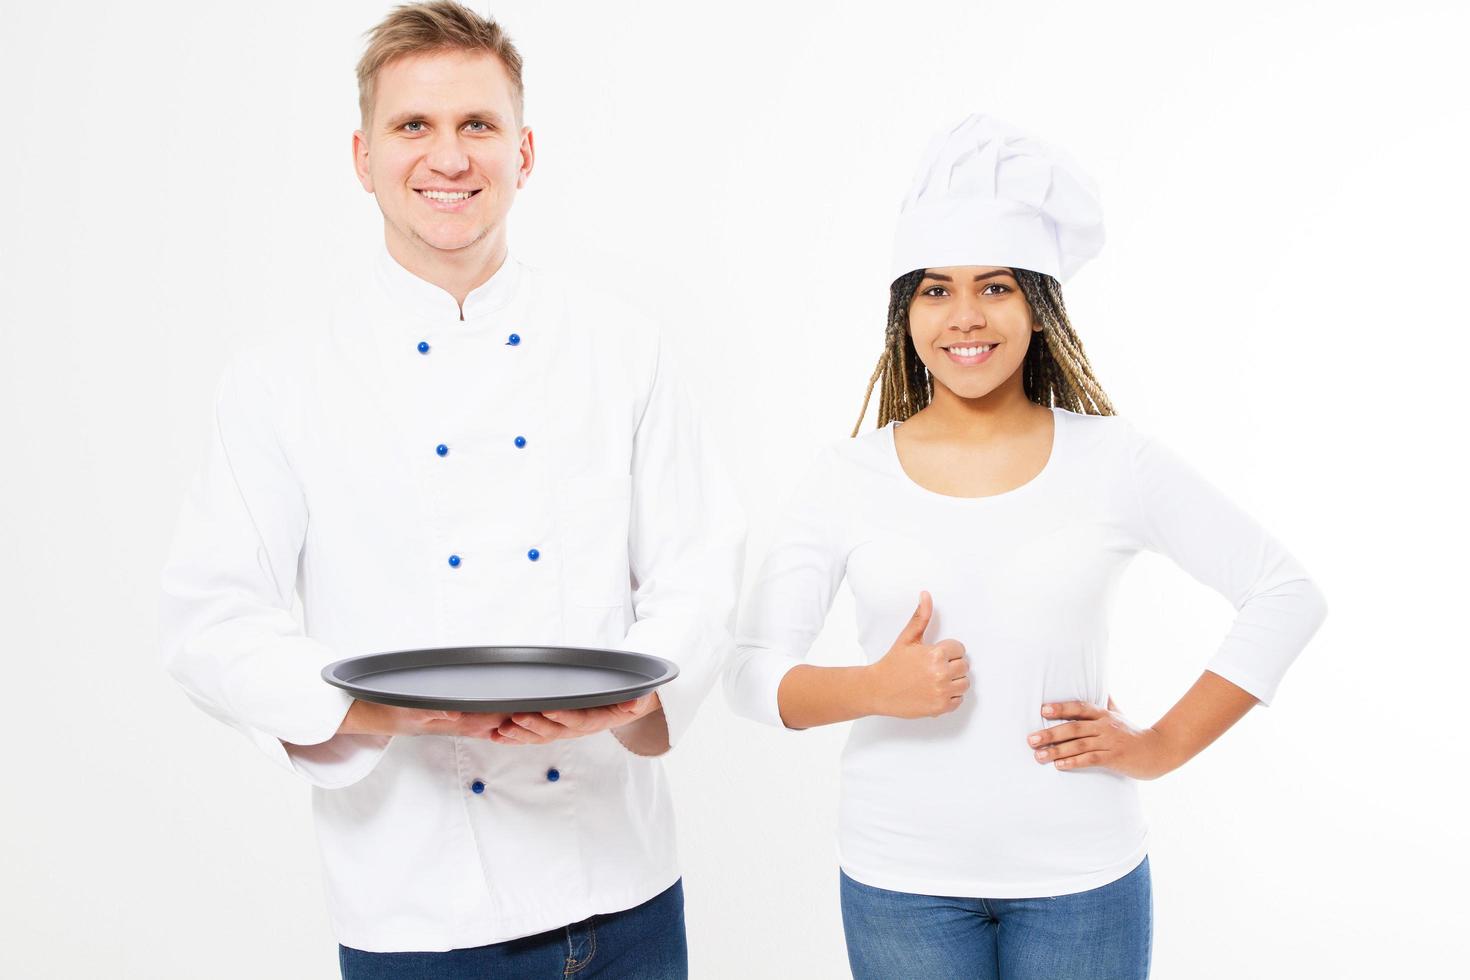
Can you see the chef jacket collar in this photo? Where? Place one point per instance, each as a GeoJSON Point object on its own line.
{"type": "Point", "coordinates": [431, 302]}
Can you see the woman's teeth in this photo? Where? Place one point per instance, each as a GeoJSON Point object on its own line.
{"type": "Point", "coordinates": [970, 351]}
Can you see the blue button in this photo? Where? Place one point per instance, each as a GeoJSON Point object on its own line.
{"type": "Point", "coordinates": [553, 774]}
{"type": "Point", "coordinates": [442, 449]}
{"type": "Point", "coordinates": [513, 339]}
{"type": "Point", "coordinates": [520, 442]}
{"type": "Point", "coordinates": [423, 347]}
{"type": "Point", "coordinates": [534, 555]}
{"type": "Point", "coordinates": [477, 786]}
{"type": "Point", "coordinates": [454, 561]}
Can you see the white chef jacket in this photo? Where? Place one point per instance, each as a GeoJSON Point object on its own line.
{"type": "Point", "coordinates": [545, 442]}
{"type": "Point", "coordinates": [957, 805]}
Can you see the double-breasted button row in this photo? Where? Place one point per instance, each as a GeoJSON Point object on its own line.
{"type": "Point", "coordinates": [478, 786]}
{"type": "Point", "coordinates": [442, 450]}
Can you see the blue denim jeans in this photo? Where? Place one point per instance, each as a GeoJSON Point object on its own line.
{"type": "Point", "coordinates": [1105, 933]}
{"type": "Point", "coordinates": [646, 942]}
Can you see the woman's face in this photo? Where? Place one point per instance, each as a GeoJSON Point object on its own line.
{"type": "Point", "coordinates": [971, 325]}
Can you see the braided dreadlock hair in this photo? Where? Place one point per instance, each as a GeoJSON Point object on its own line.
{"type": "Point", "coordinates": [1055, 372]}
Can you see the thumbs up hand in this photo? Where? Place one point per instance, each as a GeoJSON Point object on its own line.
{"type": "Point", "coordinates": [916, 679]}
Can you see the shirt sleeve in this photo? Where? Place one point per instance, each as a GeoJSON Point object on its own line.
{"type": "Point", "coordinates": [792, 595]}
{"type": "Point", "coordinates": [1278, 606]}
{"type": "Point", "coordinates": [686, 547]}
{"type": "Point", "coordinates": [227, 632]}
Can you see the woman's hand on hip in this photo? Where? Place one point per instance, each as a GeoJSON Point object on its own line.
{"type": "Point", "coordinates": [1094, 737]}
{"type": "Point", "coordinates": [917, 679]}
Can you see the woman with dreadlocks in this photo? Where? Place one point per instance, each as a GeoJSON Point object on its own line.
{"type": "Point", "coordinates": [989, 820]}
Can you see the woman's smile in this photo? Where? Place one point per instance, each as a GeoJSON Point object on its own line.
{"type": "Point", "coordinates": [970, 353]}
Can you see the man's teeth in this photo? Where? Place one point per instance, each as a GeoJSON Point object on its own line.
{"type": "Point", "coordinates": [970, 351]}
{"type": "Point", "coordinates": [445, 195]}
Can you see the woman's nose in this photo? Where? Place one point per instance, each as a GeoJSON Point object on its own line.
{"type": "Point", "coordinates": [968, 317]}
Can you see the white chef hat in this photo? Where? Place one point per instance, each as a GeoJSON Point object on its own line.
{"type": "Point", "coordinates": [988, 194]}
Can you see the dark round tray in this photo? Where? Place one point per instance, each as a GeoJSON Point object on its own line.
{"type": "Point", "coordinates": [500, 679]}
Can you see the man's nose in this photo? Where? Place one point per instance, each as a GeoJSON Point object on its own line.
{"type": "Point", "coordinates": [448, 157]}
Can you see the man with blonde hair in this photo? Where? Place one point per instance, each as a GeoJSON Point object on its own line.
{"type": "Point", "coordinates": [467, 453]}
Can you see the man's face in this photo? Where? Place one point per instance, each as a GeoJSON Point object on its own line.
{"type": "Point", "coordinates": [443, 151]}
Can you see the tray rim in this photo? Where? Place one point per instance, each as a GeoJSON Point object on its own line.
{"type": "Point", "coordinates": [517, 654]}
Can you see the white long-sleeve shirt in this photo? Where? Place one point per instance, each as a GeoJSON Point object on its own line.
{"type": "Point", "coordinates": [957, 805]}
{"type": "Point", "coordinates": [349, 461]}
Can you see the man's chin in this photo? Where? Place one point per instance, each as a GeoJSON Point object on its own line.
{"type": "Point", "coordinates": [450, 242]}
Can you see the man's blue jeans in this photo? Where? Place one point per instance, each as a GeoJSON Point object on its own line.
{"type": "Point", "coordinates": [643, 942]}
{"type": "Point", "coordinates": [1102, 934]}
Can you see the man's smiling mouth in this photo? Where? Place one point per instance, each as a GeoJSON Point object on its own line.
{"type": "Point", "coordinates": [447, 197]}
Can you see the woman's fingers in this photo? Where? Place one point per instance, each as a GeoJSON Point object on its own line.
{"type": "Point", "coordinates": [1066, 750]}
{"type": "Point", "coordinates": [1084, 761]}
{"type": "Point", "coordinates": [1062, 733]}
{"type": "Point", "coordinates": [952, 650]}
{"type": "Point", "coordinates": [1079, 710]}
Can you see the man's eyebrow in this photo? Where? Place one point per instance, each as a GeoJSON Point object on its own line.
{"type": "Point", "coordinates": [983, 275]}
{"type": "Point", "coordinates": [484, 115]}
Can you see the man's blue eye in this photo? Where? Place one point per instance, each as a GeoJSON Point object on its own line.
{"type": "Point", "coordinates": [410, 126]}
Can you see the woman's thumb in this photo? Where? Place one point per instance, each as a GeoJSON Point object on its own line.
{"type": "Point", "coordinates": [913, 632]}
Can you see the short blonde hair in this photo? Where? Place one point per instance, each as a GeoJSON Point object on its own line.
{"type": "Point", "coordinates": [425, 28]}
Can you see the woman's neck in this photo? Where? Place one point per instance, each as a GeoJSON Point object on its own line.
{"type": "Point", "coordinates": [1002, 412]}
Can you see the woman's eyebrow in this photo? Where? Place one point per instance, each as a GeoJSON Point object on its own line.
{"type": "Point", "coordinates": [983, 275]}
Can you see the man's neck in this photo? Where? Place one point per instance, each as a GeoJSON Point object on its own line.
{"type": "Point", "coordinates": [459, 271]}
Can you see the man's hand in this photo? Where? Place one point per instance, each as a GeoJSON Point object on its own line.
{"type": "Point", "coordinates": [368, 718]}
{"type": "Point", "coordinates": [538, 728]}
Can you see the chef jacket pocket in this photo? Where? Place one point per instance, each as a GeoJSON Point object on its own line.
{"type": "Point", "coordinates": [594, 513]}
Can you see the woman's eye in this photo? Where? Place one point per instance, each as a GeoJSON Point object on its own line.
{"type": "Point", "coordinates": [1000, 287]}
{"type": "Point", "coordinates": [934, 291]}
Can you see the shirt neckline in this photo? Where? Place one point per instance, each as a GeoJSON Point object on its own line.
{"type": "Point", "coordinates": [431, 302]}
{"type": "Point", "coordinates": [1057, 439]}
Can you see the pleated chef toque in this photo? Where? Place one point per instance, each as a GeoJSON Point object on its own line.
{"type": "Point", "coordinates": [988, 194]}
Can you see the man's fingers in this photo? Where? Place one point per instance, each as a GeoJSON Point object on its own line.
{"type": "Point", "coordinates": [515, 734]}
{"type": "Point", "coordinates": [583, 720]}
{"type": "Point", "coordinates": [540, 725]}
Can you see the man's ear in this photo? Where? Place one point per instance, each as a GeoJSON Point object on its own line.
{"type": "Point", "coordinates": [528, 156]}
{"type": "Point", "coordinates": [360, 160]}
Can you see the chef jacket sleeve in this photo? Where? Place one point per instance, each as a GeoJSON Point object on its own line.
{"type": "Point", "coordinates": [686, 542]}
{"type": "Point", "coordinates": [1279, 607]}
{"type": "Point", "coordinates": [227, 629]}
{"type": "Point", "coordinates": [792, 594]}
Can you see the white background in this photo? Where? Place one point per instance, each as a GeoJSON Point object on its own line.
{"type": "Point", "coordinates": [1281, 299]}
